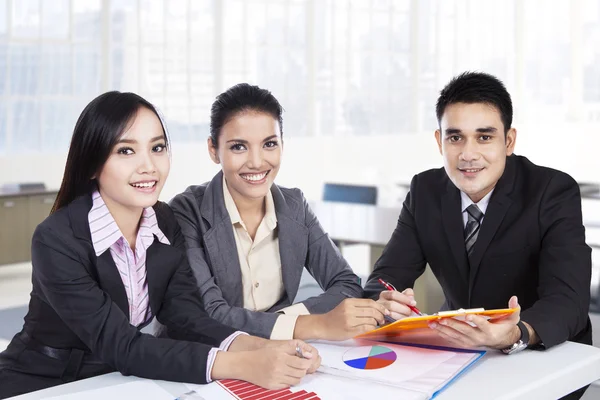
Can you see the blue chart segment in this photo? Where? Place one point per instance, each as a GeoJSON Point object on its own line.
{"type": "Point", "coordinates": [370, 357]}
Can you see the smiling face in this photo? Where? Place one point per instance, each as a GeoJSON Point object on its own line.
{"type": "Point", "coordinates": [135, 172]}
{"type": "Point", "coordinates": [249, 152]}
{"type": "Point", "coordinates": [474, 147]}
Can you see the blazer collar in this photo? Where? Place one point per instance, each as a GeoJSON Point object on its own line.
{"type": "Point", "coordinates": [219, 240]}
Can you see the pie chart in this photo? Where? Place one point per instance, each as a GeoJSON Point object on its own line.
{"type": "Point", "coordinates": [369, 357]}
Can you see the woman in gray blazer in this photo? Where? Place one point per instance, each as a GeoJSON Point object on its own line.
{"type": "Point", "coordinates": [249, 240]}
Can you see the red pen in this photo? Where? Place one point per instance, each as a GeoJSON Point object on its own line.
{"type": "Point", "coordinates": [389, 286]}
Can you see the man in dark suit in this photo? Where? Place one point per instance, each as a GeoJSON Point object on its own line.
{"type": "Point", "coordinates": [492, 226]}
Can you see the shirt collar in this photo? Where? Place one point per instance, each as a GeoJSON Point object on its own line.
{"type": "Point", "coordinates": [105, 232]}
{"type": "Point", "coordinates": [270, 214]}
{"type": "Point", "coordinates": [482, 204]}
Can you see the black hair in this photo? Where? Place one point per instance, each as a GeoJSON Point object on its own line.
{"type": "Point", "coordinates": [239, 99]}
{"type": "Point", "coordinates": [99, 127]}
{"type": "Point", "coordinates": [477, 87]}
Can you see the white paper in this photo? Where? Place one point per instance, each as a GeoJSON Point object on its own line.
{"type": "Point", "coordinates": [146, 390]}
{"type": "Point", "coordinates": [414, 368]}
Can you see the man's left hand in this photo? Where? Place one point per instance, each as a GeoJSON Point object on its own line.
{"type": "Point", "coordinates": [477, 331]}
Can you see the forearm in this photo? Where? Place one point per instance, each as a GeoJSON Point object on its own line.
{"type": "Point", "coordinates": [247, 343]}
{"type": "Point", "coordinates": [230, 365]}
{"type": "Point", "coordinates": [309, 327]}
{"type": "Point", "coordinates": [533, 336]}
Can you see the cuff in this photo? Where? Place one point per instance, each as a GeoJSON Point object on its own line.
{"type": "Point", "coordinates": [296, 309]}
{"type": "Point", "coordinates": [284, 327]}
{"type": "Point", "coordinates": [212, 354]}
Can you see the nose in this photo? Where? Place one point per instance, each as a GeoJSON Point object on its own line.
{"type": "Point", "coordinates": [146, 164]}
{"type": "Point", "coordinates": [470, 151]}
{"type": "Point", "coordinates": [255, 158]}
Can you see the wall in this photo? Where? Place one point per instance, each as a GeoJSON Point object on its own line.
{"type": "Point", "coordinates": [383, 160]}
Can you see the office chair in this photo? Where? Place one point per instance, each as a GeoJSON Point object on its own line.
{"type": "Point", "coordinates": [350, 193]}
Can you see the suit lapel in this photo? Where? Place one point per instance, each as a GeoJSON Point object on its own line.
{"type": "Point", "coordinates": [293, 243]}
{"type": "Point", "coordinates": [160, 261]}
{"type": "Point", "coordinates": [499, 204]}
{"type": "Point", "coordinates": [110, 281]}
{"type": "Point", "coordinates": [107, 274]}
{"type": "Point", "coordinates": [453, 226]}
{"type": "Point", "coordinates": [219, 243]}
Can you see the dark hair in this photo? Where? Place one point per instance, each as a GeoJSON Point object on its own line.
{"type": "Point", "coordinates": [99, 127]}
{"type": "Point", "coordinates": [238, 99]}
{"type": "Point", "coordinates": [476, 87]}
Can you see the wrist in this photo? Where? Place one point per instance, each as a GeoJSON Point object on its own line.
{"type": "Point", "coordinates": [247, 343]}
{"type": "Point", "coordinates": [309, 327]}
{"type": "Point", "coordinates": [230, 365]}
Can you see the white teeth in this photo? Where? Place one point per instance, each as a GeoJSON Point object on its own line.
{"type": "Point", "coordinates": [254, 177]}
{"type": "Point", "coordinates": [144, 184]}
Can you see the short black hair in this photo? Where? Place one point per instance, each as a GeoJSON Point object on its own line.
{"type": "Point", "coordinates": [240, 98]}
{"type": "Point", "coordinates": [476, 87]}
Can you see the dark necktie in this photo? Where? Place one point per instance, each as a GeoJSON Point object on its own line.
{"type": "Point", "coordinates": [472, 228]}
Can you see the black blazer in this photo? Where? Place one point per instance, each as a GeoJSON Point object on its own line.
{"type": "Point", "coordinates": [79, 301]}
{"type": "Point", "coordinates": [303, 243]}
{"type": "Point", "coordinates": [531, 244]}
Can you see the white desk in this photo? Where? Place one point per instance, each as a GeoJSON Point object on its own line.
{"type": "Point", "coordinates": [528, 375]}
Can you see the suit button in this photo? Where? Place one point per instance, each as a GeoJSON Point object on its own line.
{"type": "Point", "coordinates": [256, 285]}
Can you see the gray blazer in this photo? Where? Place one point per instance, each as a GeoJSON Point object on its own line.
{"type": "Point", "coordinates": [213, 256]}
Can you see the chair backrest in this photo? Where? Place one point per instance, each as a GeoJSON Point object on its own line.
{"type": "Point", "coordinates": [350, 193]}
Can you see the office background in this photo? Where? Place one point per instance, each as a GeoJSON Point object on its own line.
{"type": "Point", "coordinates": [358, 80]}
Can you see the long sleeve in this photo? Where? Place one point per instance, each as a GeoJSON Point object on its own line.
{"type": "Point", "coordinates": [564, 266]}
{"type": "Point", "coordinates": [402, 260]}
{"type": "Point", "coordinates": [65, 279]}
{"type": "Point", "coordinates": [329, 268]}
{"type": "Point", "coordinates": [254, 322]}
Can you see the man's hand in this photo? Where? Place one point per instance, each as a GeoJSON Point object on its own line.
{"type": "Point", "coordinates": [397, 302]}
{"type": "Point", "coordinates": [482, 333]}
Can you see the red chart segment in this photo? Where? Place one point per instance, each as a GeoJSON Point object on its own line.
{"type": "Point", "coordinates": [242, 390]}
{"type": "Point", "coordinates": [370, 357]}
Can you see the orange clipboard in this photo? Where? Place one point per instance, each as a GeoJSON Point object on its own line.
{"type": "Point", "coordinates": [407, 324]}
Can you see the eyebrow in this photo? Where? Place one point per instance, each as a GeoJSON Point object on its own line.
{"type": "Point", "coordinates": [246, 142]}
{"type": "Point", "coordinates": [132, 141]}
{"type": "Point", "coordinates": [456, 131]}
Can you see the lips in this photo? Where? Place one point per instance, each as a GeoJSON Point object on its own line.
{"type": "Point", "coordinates": [255, 177]}
{"type": "Point", "coordinates": [144, 184]}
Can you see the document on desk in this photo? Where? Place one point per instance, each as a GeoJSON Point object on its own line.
{"type": "Point", "coordinates": [145, 389]}
{"type": "Point", "coordinates": [420, 369]}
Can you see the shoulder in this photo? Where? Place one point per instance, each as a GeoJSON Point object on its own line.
{"type": "Point", "coordinates": [190, 197]}
{"type": "Point", "coordinates": [431, 181]}
{"type": "Point", "coordinates": [293, 198]}
{"type": "Point", "coordinates": [540, 178]}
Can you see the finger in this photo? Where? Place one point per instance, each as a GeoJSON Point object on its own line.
{"type": "Point", "coordinates": [409, 292]}
{"type": "Point", "coordinates": [460, 326]}
{"type": "Point", "coordinates": [479, 321]}
{"type": "Point", "coordinates": [452, 340]}
{"type": "Point", "coordinates": [368, 303]}
{"type": "Point", "coordinates": [315, 365]}
{"type": "Point", "coordinates": [308, 351]}
{"type": "Point", "coordinates": [298, 363]}
{"type": "Point", "coordinates": [514, 303]}
{"type": "Point", "coordinates": [370, 313]}
{"type": "Point", "coordinates": [291, 380]}
{"type": "Point", "coordinates": [398, 297]}
{"type": "Point", "coordinates": [397, 310]}
{"type": "Point", "coordinates": [449, 332]}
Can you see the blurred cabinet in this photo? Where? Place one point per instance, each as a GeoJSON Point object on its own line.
{"type": "Point", "coordinates": [20, 213]}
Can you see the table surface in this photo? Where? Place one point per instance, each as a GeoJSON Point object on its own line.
{"type": "Point", "coordinates": [530, 374]}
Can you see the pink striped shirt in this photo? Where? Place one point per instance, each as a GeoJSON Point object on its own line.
{"type": "Point", "coordinates": [132, 265]}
